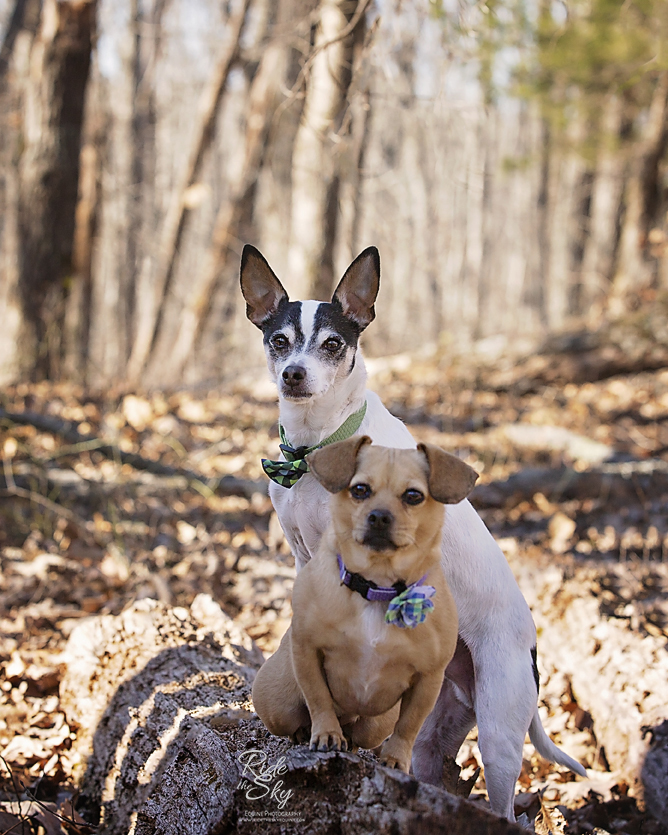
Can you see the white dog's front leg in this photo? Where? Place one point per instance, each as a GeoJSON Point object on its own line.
{"type": "Point", "coordinates": [299, 550]}
{"type": "Point", "coordinates": [303, 512]}
{"type": "Point", "coordinates": [283, 501]}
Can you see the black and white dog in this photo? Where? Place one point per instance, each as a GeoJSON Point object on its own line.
{"type": "Point", "coordinates": [312, 354]}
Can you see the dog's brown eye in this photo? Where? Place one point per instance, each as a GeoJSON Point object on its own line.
{"type": "Point", "coordinates": [332, 344]}
{"type": "Point", "coordinates": [360, 491]}
{"type": "Point", "coordinates": [280, 342]}
{"type": "Point", "coordinates": [413, 497]}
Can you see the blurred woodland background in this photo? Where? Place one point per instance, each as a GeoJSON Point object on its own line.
{"type": "Point", "coordinates": [510, 160]}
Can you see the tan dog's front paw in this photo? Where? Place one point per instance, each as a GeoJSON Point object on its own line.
{"type": "Point", "coordinates": [395, 753]}
{"type": "Point", "coordinates": [332, 740]}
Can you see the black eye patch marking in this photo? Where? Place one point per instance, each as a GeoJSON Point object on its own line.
{"type": "Point", "coordinates": [288, 315]}
{"type": "Point", "coordinates": [342, 333]}
{"type": "Point", "coordinates": [329, 316]}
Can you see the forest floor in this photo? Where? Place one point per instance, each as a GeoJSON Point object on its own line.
{"type": "Point", "coordinates": [84, 532]}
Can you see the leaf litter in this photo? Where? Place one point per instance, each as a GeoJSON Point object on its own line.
{"type": "Point", "coordinates": [106, 534]}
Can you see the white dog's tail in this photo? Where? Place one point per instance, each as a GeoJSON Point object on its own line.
{"type": "Point", "coordinates": [546, 748]}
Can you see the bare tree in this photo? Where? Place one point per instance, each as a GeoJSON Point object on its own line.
{"type": "Point", "coordinates": [315, 179]}
{"type": "Point", "coordinates": [311, 128]}
{"type": "Point", "coordinates": [42, 87]}
{"type": "Point", "coordinates": [264, 97]}
{"type": "Point", "coordinates": [49, 172]}
{"type": "Point", "coordinates": [642, 198]}
{"type": "Point", "coordinates": [172, 228]}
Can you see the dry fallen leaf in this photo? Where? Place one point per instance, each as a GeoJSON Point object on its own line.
{"type": "Point", "coordinates": [561, 529]}
{"type": "Point", "coordinates": [549, 821]}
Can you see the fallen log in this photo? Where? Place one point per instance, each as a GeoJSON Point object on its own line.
{"type": "Point", "coordinates": [142, 690]}
{"type": "Point", "coordinates": [167, 742]}
{"type": "Point", "coordinates": [574, 358]}
{"type": "Point", "coordinates": [225, 486]}
{"type": "Point", "coordinates": [70, 484]}
{"type": "Point", "coordinates": [616, 483]}
{"type": "Point", "coordinates": [589, 618]}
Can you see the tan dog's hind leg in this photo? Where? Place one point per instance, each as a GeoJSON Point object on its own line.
{"type": "Point", "coordinates": [416, 704]}
{"type": "Point", "coordinates": [370, 731]}
{"type": "Point", "coordinates": [326, 732]}
{"type": "Point", "coordinates": [277, 698]}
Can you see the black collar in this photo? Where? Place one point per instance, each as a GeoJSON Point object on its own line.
{"type": "Point", "coordinates": [367, 588]}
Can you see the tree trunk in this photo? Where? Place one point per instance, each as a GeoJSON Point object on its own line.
{"type": "Point", "coordinates": [315, 180]}
{"type": "Point", "coordinates": [144, 206]}
{"type": "Point", "coordinates": [173, 350]}
{"type": "Point", "coordinates": [49, 175]}
{"type": "Point", "coordinates": [567, 172]}
{"type": "Point", "coordinates": [537, 292]}
{"type": "Point", "coordinates": [180, 343]}
{"type": "Point", "coordinates": [637, 268]}
{"type": "Point", "coordinates": [10, 141]}
{"type": "Point", "coordinates": [601, 246]}
{"type": "Point", "coordinates": [620, 484]}
{"type": "Point", "coordinates": [350, 189]}
{"type": "Point", "coordinates": [25, 16]}
{"type": "Point", "coordinates": [151, 304]}
{"type": "Point", "coordinates": [76, 326]}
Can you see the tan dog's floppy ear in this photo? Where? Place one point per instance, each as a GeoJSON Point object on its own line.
{"type": "Point", "coordinates": [260, 287]}
{"type": "Point", "coordinates": [450, 479]}
{"type": "Point", "coordinates": [334, 465]}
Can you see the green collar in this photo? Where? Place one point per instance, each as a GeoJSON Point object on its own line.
{"type": "Point", "coordinates": [287, 473]}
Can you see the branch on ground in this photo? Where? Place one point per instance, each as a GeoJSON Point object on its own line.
{"type": "Point", "coordinates": [225, 486]}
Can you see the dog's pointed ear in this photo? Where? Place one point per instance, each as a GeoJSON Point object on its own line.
{"type": "Point", "coordinates": [334, 465]}
{"type": "Point", "coordinates": [260, 287]}
{"type": "Point", "coordinates": [450, 479]}
{"type": "Point", "coordinates": [357, 290]}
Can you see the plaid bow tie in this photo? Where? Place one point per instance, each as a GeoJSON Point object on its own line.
{"type": "Point", "coordinates": [288, 472]}
{"type": "Point", "coordinates": [411, 607]}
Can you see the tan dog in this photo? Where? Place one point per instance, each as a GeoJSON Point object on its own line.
{"type": "Point", "coordinates": [341, 667]}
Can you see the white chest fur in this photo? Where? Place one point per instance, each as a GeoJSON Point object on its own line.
{"type": "Point", "coordinates": [368, 674]}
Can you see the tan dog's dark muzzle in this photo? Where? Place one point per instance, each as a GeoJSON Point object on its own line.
{"type": "Point", "coordinates": [378, 533]}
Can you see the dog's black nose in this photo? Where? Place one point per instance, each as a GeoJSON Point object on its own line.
{"type": "Point", "coordinates": [380, 520]}
{"type": "Point", "coordinates": [293, 375]}
{"type": "Point", "coordinates": [378, 534]}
